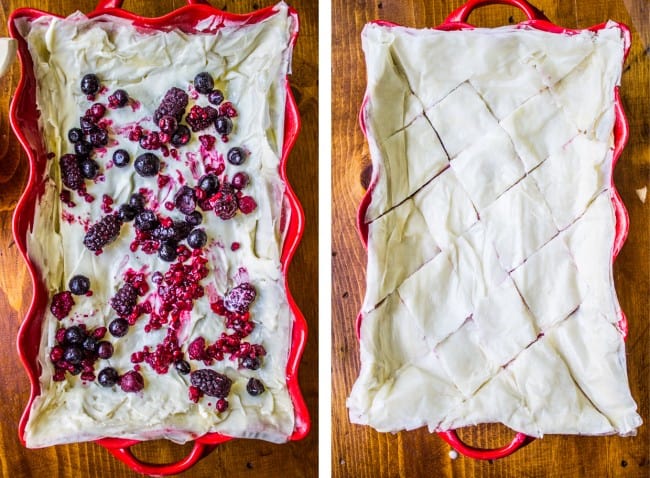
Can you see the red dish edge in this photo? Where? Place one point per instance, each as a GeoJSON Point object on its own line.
{"type": "Point", "coordinates": [621, 135]}
{"type": "Point", "coordinates": [23, 119]}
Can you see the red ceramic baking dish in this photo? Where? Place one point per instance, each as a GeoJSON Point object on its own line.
{"type": "Point", "coordinates": [24, 121]}
{"type": "Point", "coordinates": [457, 20]}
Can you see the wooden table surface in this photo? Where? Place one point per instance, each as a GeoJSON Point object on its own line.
{"type": "Point", "coordinates": [360, 451]}
{"type": "Point", "coordinates": [237, 458]}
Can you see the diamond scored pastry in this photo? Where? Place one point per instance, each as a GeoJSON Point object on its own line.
{"type": "Point", "coordinates": [489, 294]}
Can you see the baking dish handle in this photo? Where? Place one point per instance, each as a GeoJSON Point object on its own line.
{"type": "Point", "coordinates": [519, 441]}
{"type": "Point", "coordinates": [461, 14]}
{"type": "Point", "coordinates": [199, 451]}
{"type": "Point", "coordinates": [106, 4]}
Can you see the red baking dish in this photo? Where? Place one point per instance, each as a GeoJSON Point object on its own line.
{"type": "Point", "coordinates": [24, 121]}
{"type": "Point", "coordinates": [457, 20]}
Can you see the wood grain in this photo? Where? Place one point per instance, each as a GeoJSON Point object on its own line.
{"type": "Point", "coordinates": [360, 451]}
{"type": "Point", "coordinates": [237, 458]}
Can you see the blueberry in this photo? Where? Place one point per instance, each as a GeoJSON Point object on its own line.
{"type": "Point", "coordinates": [90, 84]}
{"type": "Point", "coordinates": [127, 213]}
{"type": "Point", "coordinates": [118, 327]}
{"type": "Point", "coordinates": [250, 363]}
{"type": "Point", "coordinates": [98, 137]}
{"type": "Point", "coordinates": [203, 83]}
{"type": "Point", "coordinates": [104, 349]}
{"type": "Point", "coordinates": [185, 200]}
{"type": "Point", "coordinates": [83, 148]}
{"type": "Point", "coordinates": [197, 239]}
{"type": "Point", "coordinates": [108, 377]}
{"type": "Point", "coordinates": [136, 201]}
{"type": "Point", "coordinates": [146, 220]}
{"type": "Point", "coordinates": [223, 124]}
{"type": "Point", "coordinates": [87, 124]}
{"type": "Point", "coordinates": [209, 184]}
{"type": "Point", "coordinates": [73, 354]}
{"type": "Point", "coordinates": [236, 156]}
{"type": "Point", "coordinates": [90, 343]}
{"type": "Point", "coordinates": [194, 218]}
{"type": "Point", "coordinates": [239, 180]}
{"type": "Point", "coordinates": [215, 97]}
{"type": "Point", "coordinates": [167, 251]}
{"type": "Point", "coordinates": [255, 387]}
{"type": "Point", "coordinates": [118, 99]}
{"type": "Point", "coordinates": [75, 135]}
{"type": "Point", "coordinates": [89, 168]}
{"type": "Point", "coordinates": [147, 164]}
{"type": "Point", "coordinates": [181, 136]}
{"type": "Point", "coordinates": [183, 367]}
{"type": "Point", "coordinates": [121, 158]}
{"type": "Point", "coordinates": [75, 335]}
{"type": "Point", "coordinates": [79, 285]}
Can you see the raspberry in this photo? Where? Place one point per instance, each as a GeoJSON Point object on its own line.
{"type": "Point", "coordinates": [102, 233]}
{"type": "Point", "coordinates": [211, 383]}
{"type": "Point", "coordinates": [124, 301]}
{"type": "Point", "coordinates": [240, 180]}
{"type": "Point", "coordinates": [199, 118]}
{"type": "Point", "coordinates": [247, 204]}
{"type": "Point", "coordinates": [173, 104]}
{"type": "Point", "coordinates": [70, 172]}
{"type": "Point", "coordinates": [226, 203]}
{"type": "Point", "coordinates": [61, 304]}
{"type": "Point", "coordinates": [239, 298]}
{"type": "Point", "coordinates": [196, 349]}
{"type": "Point", "coordinates": [118, 99]}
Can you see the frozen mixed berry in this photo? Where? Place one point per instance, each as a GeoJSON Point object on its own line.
{"type": "Point", "coordinates": [104, 349]}
{"type": "Point", "coordinates": [182, 367]}
{"type": "Point", "coordinates": [137, 202]}
{"type": "Point", "coordinates": [70, 172]}
{"type": "Point", "coordinates": [89, 168]}
{"type": "Point", "coordinates": [215, 97]}
{"type": "Point", "coordinates": [209, 184]}
{"type": "Point", "coordinates": [147, 164]}
{"type": "Point", "coordinates": [227, 203]}
{"type": "Point", "coordinates": [121, 158]}
{"type": "Point", "coordinates": [126, 213]}
{"type": "Point", "coordinates": [87, 124]}
{"type": "Point", "coordinates": [162, 233]}
{"type": "Point", "coordinates": [203, 83]}
{"type": "Point", "coordinates": [222, 405]}
{"type": "Point", "coordinates": [73, 354]}
{"type": "Point", "coordinates": [90, 343]}
{"type": "Point", "coordinates": [131, 381]}
{"type": "Point", "coordinates": [211, 383]}
{"type": "Point", "coordinates": [173, 104]}
{"type": "Point", "coordinates": [181, 136]}
{"type": "Point", "coordinates": [207, 141]}
{"type": "Point", "coordinates": [90, 84]}
{"type": "Point", "coordinates": [254, 387]}
{"type": "Point", "coordinates": [83, 148]}
{"type": "Point", "coordinates": [74, 335]}
{"type": "Point", "coordinates": [76, 369]}
{"type": "Point", "coordinates": [197, 239]}
{"type": "Point", "coordinates": [167, 251]}
{"type": "Point", "coordinates": [96, 111]}
{"type": "Point", "coordinates": [62, 303]}
{"type": "Point", "coordinates": [124, 300]}
{"type": "Point", "coordinates": [118, 99]}
{"type": "Point", "coordinates": [103, 232]}
{"type": "Point", "coordinates": [118, 327]}
{"type": "Point", "coordinates": [108, 377]}
{"type": "Point", "coordinates": [236, 156]}
{"type": "Point", "coordinates": [168, 124]}
{"type": "Point", "coordinates": [223, 124]}
{"type": "Point", "coordinates": [146, 220]}
{"type": "Point", "coordinates": [247, 204]}
{"type": "Point", "coordinates": [194, 218]}
{"type": "Point", "coordinates": [98, 137]}
{"type": "Point", "coordinates": [182, 230]}
{"type": "Point", "coordinates": [151, 141]}
{"type": "Point", "coordinates": [75, 135]}
{"type": "Point", "coordinates": [239, 180]}
{"type": "Point", "coordinates": [79, 284]}
{"type": "Point", "coordinates": [185, 200]}
{"type": "Point", "coordinates": [200, 118]}
{"type": "Point", "coordinates": [239, 298]}
{"type": "Point", "coordinates": [251, 363]}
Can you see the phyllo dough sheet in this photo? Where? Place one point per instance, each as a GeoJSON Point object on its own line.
{"type": "Point", "coordinates": [489, 294]}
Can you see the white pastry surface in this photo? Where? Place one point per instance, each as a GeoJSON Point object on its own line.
{"type": "Point", "coordinates": [489, 293]}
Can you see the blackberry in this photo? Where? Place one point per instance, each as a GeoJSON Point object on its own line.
{"type": "Point", "coordinates": [203, 83]}
{"type": "Point", "coordinates": [215, 97]}
{"type": "Point", "coordinates": [223, 125]}
{"type": "Point", "coordinates": [200, 118]}
{"type": "Point", "coordinates": [251, 363]}
{"type": "Point", "coordinates": [75, 135]}
{"type": "Point", "coordinates": [182, 367]}
{"type": "Point", "coordinates": [239, 298]}
{"type": "Point", "coordinates": [132, 382]}
{"type": "Point", "coordinates": [173, 104]}
{"type": "Point", "coordinates": [211, 383]}
{"type": "Point", "coordinates": [197, 239]}
{"type": "Point", "coordinates": [104, 349]}
{"type": "Point", "coordinates": [103, 232]}
{"type": "Point", "coordinates": [79, 285]}
{"type": "Point", "coordinates": [121, 158]}
{"type": "Point", "coordinates": [118, 99]}
{"type": "Point", "coordinates": [146, 220]}
{"type": "Point", "coordinates": [254, 387]}
{"type": "Point", "coordinates": [209, 184]}
{"type": "Point", "coordinates": [118, 327]}
{"type": "Point", "coordinates": [147, 164]}
{"type": "Point", "coordinates": [98, 137]}
{"type": "Point", "coordinates": [182, 230]}
{"type": "Point", "coordinates": [90, 84]}
{"type": "Point", "coordinates": [137, 202]}
{"type": "Point", "coordinates": [194, 218]}
{"type": "Point", "coordinates": [124, 300]}
{"type": "Point", "coordinates": [236, 156]}
{"type": "Point", "coordinates": [75, 335]}
{"type": "Point", "coordinates": [127, 213]}
{"type": "Point", "coordinates": [89, 168]}
{"type": "Point", "coordinates": [185, 200]}
{"type": "Point", "coordinates": [227, 203]}
{"type": "Point", "coordinates": [108, 377]}
{"type": "Point", "coordinates": [70, 172]}
{"type": "Point", "coordinates": [240, 180]}
{"type": "Point", "coordinates": [83, 148]}
{"type": "Point", "coordinates": [73, 354]}
{"type": "Point", "coordinates": [167, 251]}
{"type": "Point", "coordinates": [181, 136]}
